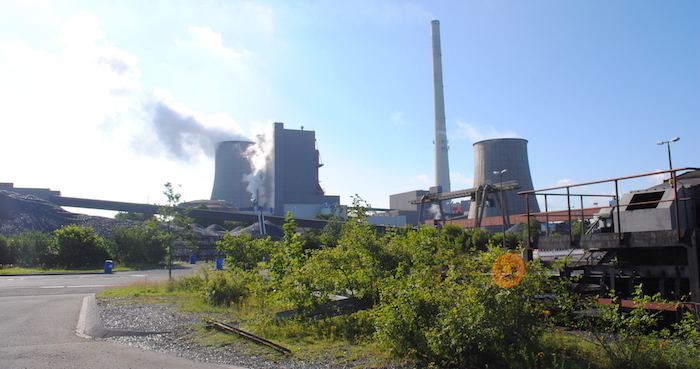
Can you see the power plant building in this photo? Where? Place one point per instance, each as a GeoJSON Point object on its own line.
{"type": "Point", "coordinates": [491, 156]}
{"type": "Point", "coordinates": [289, 180]}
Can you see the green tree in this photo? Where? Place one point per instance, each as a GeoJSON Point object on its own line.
{"type": "Point", "coordinates": [479, 238]}
{"type": "Point", "coordinates": [359, 210]}
{"type": "Point", "coordinates": [132, 216]}
{"type": "Point", "coordinates": [177, 224]}
{"type": "Point", "coordinates": [579, 227]}
{"type": "Point", "coordinates": [535, 228]}
{"type": "Point", "coordinates": [34, 248]}
{"type": "Point", "coordinates": [6, 254]}
{"type": "Point", "coordinates": [80, 247]}
{"type": "Point", "coordinates": [243, 251]}
{"type": "Point", "coordinates": [144, 243]}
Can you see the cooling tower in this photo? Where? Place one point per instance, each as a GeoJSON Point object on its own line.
{"type": "Point", "coordinates": [493, 156]}
{"type": "Point", "coordinates": [230, 167]}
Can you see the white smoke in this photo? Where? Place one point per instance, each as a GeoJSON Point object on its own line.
{"type": "Point", "coordinates": [162, 126]}
{"type": "Point", "coordinates": [185, 136]}
{"type": "Point", "coordinates": [259, 155]}
{"type": "Point", "coordinates": [434, 210]}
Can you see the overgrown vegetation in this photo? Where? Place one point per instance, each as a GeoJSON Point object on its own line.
{"type": "Point", "coordinates": [425, 295]}
{"type": "Point", "coordinates": [410, 295]}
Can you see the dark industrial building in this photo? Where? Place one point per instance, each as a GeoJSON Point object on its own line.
{"type": "Point", "coordinates": [287, 182]}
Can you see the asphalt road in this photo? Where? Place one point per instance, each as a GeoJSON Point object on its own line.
{"type": "Point", "coordinates": [39, 324]}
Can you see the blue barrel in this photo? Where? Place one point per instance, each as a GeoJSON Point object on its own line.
{"type": "Point", "coordinates": [193, 259]}
{"type": "Point", "coordinates": [219, 264]}
{"type": "Point", "coordinates": [109, 265]}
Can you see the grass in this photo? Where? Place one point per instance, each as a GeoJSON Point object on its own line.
{"type": "Point", "coordinates": [253, 317]}
{"type": "Point", "coordinates": [12, 270]}
{"type": "Point", "coordinates": [319, 341]}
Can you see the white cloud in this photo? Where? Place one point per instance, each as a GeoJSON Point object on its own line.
{"type": "Point", "coordinates": [80, 31]}
{"type": "Point", "coordinates": [474, 133]}
{"type": "Point", "coordinates": [75, 116]}
{"type": "Point", "coordinates": [397, 118]}
{"type": "Point", "coordinates": [459, 181]}
{"type": "Point", "coordinates": [564, 182]}
{"type": "Point", "coordinates": [264, 17]}
{"type": "Point", "coordinates": [424, 178]}
{"type": "Point", "coordinates": [206, 38]}
{"type": "Point", "coordinates": [658, 178]}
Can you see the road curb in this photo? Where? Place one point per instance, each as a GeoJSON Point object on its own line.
{"type": "Point", "coordinates": [90, 324]}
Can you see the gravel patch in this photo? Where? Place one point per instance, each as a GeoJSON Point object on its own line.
{"type": "Point", "coordinates": [176, 338]}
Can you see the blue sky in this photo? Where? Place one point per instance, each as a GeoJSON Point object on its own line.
{"type": "Point", "coordinates": [592, 85]}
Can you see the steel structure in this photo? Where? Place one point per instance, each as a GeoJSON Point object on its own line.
{"type": "Point", "coordinates": [479, 196]}
{"type": "Point", "coordinates": [646, 238]}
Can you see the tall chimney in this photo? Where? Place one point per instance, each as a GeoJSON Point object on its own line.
{"type": "Point", "coordinates": [442, 165]}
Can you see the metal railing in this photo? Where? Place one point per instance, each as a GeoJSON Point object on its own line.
{"type": "Point", "coordinates": [587, 213]}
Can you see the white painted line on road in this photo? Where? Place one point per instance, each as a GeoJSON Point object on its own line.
{"type": "Point", "coordinates": [83, 286]}
{"type": "Point", "coordinates": [82, 318]}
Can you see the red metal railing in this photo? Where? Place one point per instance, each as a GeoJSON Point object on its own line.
{"type": "Point", "coordinates": [587, 213]}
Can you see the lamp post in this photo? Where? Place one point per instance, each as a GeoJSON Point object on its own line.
{"type": "Point", "coordinates": [668, 145]}
{"type": "Point", "coordinates": [503, 215]}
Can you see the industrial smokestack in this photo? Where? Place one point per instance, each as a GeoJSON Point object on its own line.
{"type": "Point", "coordinates": [493, 156]}
{"type": "Point", "coordinates": [442, 166]}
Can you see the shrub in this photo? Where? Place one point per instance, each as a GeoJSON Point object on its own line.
{"type": "Point", "coordinates": [144, 243]}
{"type": "Point", "coordinates": [34, 248]}
{"type": "Point", "coordinates": [243, 252]}
{"type": "Point", "coordinates": [633, 339]}
{"type": "Point", "coordinates": [79, 247]}
{"type": "Point", "coordinates": [6, 254]}
{"type": "Point", "coordinates": [460, 317]}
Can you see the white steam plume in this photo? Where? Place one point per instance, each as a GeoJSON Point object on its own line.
{"type": "Point", "coordinates": [184, 136]}
{"type": "Point", "coordinates": [259, 155]}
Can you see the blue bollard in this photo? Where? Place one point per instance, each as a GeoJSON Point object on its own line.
{"type": "Point", "coordinates": [219, 264]}
{"type": "Point", "coordinates": [193, 259]}
{"type": "Point", "coordinates": [109, 265]}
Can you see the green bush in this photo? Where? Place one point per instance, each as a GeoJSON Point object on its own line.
{"type": "Point", "coordinates": [633, 339]}
{"type": "Point", "coordinates": [34, 249]}
{"type": "Point", "coordinates": [460, 317]}
{"type": "Point", "coordinates": [227, 287]}
{"type": "Point", "coordinates": [145, 243]}
{"type": "Point", "coordinates": [79, 247]}
{"type": "Point", "coordinates": [244, 252]}
{"type": "Point", "coordinates": [6, 254]}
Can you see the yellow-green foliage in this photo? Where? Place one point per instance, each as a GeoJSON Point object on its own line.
{"type": "Point", "coordinates": [429, 297]}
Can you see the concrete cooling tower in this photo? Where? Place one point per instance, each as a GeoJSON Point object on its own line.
{"type": "Point", "coordinates": [230, 167]}
{"type": "Point", "coordinates": [493, 156]}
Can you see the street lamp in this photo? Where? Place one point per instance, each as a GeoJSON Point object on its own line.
{"type": "Point", "coordinates": [668, 145]}
{"type": "Point", "coordinates": [503, 215]}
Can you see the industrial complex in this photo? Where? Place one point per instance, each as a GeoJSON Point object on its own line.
{"type": "Point", "coordinates": [647, 236]}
